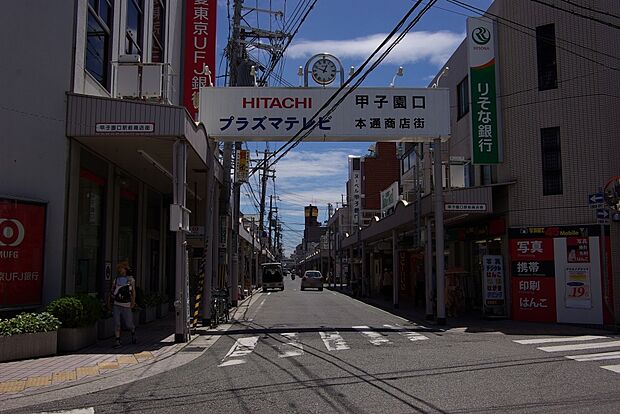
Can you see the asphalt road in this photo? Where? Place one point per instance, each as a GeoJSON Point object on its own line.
{"type": "Point", "coordinates": [323, 352]}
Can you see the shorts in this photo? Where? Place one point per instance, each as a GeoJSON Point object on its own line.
{"type": "Point", "coordinates": [124, 313]}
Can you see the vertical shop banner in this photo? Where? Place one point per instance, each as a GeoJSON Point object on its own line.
{"type": "Point", "coordinates": [493, 279]}
{"type": "Point", "coordinates": [486, 142]}
{"type": "Point", "coordinates": [577, 287]}
{"type": "Point", "coordinates": [199, 51]}
{"type": "Point", "coordinates": [242, 170]}
{"type": "Point", "coordinates": [22, 246]}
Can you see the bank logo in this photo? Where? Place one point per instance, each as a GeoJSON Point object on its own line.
{"type": "Point", "coordinates": [481, 35]}
{"type": "Point", "coordinates": [12, 232]}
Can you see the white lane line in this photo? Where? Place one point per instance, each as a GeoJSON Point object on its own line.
{"type": "Point", "coordinates": [333, 341]}
{"type": "Point", "coordinates": [595, 357]}
{"type": "Point", "coordinates": [577, 347]}
{"type": "Point", "coordinates": [292, 348]}
{"type": "Point", "coordinates": [614, 368]}
{"type": "Point", "coordinates": [374, 337]}
{"type": "Point", "coordinates": [412, 336]}
{"type": "Point", "coordinates": [89, 410]}
{"type": "Point", "coordinates": [241, 348]}
{"type": "Point", "coordinates": [564, 339]}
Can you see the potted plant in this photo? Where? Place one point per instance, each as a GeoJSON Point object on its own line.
{"type": "Point", "coordinates": [149, 305]}
{"type": "Point", "coordinates": [162, 305]}
{"type": "Point", "coordinates": [78, 315]}
{"type": "Point", "coordinates": [28, 335]}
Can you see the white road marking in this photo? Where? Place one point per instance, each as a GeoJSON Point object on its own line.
{"type": "Point", "coordinates": [89, 410]}
{"type": "Point", "coordinates": [334, 293]}
{"type": "Point", "coordinates": [374, 337]}
{"type": "Point", "coordinates": [269, 293]}
{"type": "Point", "coordinates": [412, 336]}
{"type": "Point", "coordinates": [576, 347]}
{"type": "Point", "coordinates": [292, 348]}
{"type": "Point", "coordinates": [564, 339]}
{"type": "Point", "coordinates": [241, 348]}
{"type": "Point", "coordinates": [614, 368]}
{"type": "Point", "coordinates": [595, 357]}
{"type": "Point", "coordinates": [333, 341]}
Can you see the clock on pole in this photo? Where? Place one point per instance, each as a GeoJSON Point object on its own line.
{"type": "Point", "coordinates": [323, 68]}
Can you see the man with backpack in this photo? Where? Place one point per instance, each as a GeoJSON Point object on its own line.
{"type": "Point", "coordinates": [123, 294]}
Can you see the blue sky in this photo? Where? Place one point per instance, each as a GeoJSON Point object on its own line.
{"type": "Point", "coordinates": [350, 29]}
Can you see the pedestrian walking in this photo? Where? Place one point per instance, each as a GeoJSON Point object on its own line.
{"type": "Point", "coordinates": [123, 297]}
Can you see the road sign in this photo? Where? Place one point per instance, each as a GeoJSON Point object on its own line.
{"type": "Point", "coordinates": [596, 200]}
{"type": "Point", "coordinates": [602, 216]}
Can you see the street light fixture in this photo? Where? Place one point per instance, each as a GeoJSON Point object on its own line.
{"type": "Point", "coordinates": [399, 72]}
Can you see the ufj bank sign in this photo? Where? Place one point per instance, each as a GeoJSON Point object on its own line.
{"type": "Point", "coordinates": [367, 114]}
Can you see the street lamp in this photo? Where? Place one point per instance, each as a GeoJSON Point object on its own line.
{"type": "Point", "coordinates": [399, 72]}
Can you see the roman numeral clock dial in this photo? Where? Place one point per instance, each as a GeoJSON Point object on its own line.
{"type": "Point", "coordinates": [324, 71]}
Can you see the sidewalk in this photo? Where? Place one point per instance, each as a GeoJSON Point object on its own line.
{"type": "Point", "coordinates": [155, 341]}
{"type": "Point", "coordinates": [476, 323]}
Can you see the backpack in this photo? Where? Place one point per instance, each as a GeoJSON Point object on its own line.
{"type": "Point", "coordinates": [122, 294]}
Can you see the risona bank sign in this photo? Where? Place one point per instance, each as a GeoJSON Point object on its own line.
{"type": "Point", "coordinates": [366, 114]}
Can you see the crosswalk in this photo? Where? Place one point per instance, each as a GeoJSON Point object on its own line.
{"type": "Point", "coordinates": [572, 344]}
{"type": "Point", "coordinates": [291, 344]}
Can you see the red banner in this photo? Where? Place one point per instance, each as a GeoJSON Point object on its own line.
{"type": "Point", "coordinates": [199, 50]}
{"type": "Point", "coordinates": [533, 299]}
{"type": "Point", "coordinates": [22, 245]}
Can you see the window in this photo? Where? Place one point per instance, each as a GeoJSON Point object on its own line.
{"type": "Point", "coordinates": [462, 95]}
{"type": "Point", "coordinates": [98, 39]}
{"type": "Point", "coordinates": [135, 22]}
{"type": "Point", "coordinates": [551, 161]}
{"type": "Point", "coordinates": [159, 31]}
{"type": "Point", "coordinates": [545, 56]}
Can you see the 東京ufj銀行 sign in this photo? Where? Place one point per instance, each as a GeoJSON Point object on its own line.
{"type": "Point", "coordinates": [367, 114]}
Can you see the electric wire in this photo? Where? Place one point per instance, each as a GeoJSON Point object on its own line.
{"type": "Point", "coordinates": [591, 9]}
{"type": "Point", "coordinates": [574, 13]}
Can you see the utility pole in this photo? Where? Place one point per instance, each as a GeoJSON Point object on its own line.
{"type": "Point", "coordinates": [270, 218]}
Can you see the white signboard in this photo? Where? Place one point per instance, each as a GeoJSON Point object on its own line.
{"type": "Point", "coordinates": [367, 114]}
{"type": "Point", "coordinates": [356, 183]}
{"type": "Point", "coordinates": [119, 128]}
{"type": "Point", "coordinates": [466, 207]}
{"type": "Point", "coordinates": [389, 198]}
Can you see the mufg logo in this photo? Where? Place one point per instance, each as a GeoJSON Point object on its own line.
{"type": "Point", "coordinates": [481, 35]}
{"type": "Point", "coordinates": [11, 232]}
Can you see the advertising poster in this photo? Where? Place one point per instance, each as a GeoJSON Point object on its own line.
{"type": "Point", "coordinates": [493, 277]}
{"type": "Point", "coordinates": [22, 246]}
{"type": "Point", "coordinates": [577, 287]}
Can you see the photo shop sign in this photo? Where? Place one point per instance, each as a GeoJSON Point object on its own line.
{"type": "Point", "coordinates": [22, 245]}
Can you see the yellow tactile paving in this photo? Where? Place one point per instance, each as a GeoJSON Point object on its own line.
{"type": "Point", "coordinates": [127, 359]}
{"type": "Point", "coordinates": [39, 381]}
{"type": "Point", "coordinates": [63, 376]}
{"type": "Point", "coordinates": [87, 371]}
{"type": "Point", "coordinates": [12, 386]}
{"type": "Point", "coordinates": [143, 356]}
{"type": "Point", "coordinates": [108, 365]}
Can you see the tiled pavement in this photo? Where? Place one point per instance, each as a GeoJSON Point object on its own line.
{"type": "Point", "coordinates": [155, 340]}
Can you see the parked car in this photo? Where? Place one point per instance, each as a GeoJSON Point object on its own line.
{"type": "Point", "coordinates": [312, 279]}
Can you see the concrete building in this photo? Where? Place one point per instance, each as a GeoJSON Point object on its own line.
{"type": "Point", "coordinates": [514, 229]}
{"type": "Point", "coordinates": [94, 132]}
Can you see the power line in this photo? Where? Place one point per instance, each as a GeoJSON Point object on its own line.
{"type": "Point", "coordinates": [591, 9]}
{"type": "Point", "coordinates": [574, 13]}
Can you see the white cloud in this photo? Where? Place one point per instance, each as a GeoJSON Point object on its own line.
{"type": "Point", "coordinates": [311, 164]}
{"type": "Point", "coordinates": [435, 47]}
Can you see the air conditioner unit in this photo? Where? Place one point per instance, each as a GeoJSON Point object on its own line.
{"type": "Point", "coordinates": [129, 59]}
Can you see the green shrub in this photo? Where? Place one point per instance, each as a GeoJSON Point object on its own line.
{"type": "Point", "coordinates": [29, 323]}
{"type": "Point", "coordinates": [69, 310]}
{"type": "Point", "coordinates": [76, 311]}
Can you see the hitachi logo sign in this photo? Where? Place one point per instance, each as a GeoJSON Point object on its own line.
{"type": "Point", "coordinates": [282, 103]}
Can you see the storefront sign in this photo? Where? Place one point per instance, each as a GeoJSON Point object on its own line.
{"type": "Point", "coordinates": [120, 128]}
{"type": "Point", "coordinates": [367, 114]}
{"type": "Point", "coordinates": [199, 50]}
{"type": "Point", "coordinates": [22, 246]}
{"type": "Point", "coordinates": [355, 177]}
{"type": "Point", "coordinates": [493, 277]}
{"type": "Point", "coordinates": [242, 170]}
{"type": "Point", "coordinates": [466, 207]}
{"type": "Point", "coordinates": [486, 144]}
{"type": "Point", "coordinates": [389, 198]}
{"type": "Point", "coordinates": [578, 250]}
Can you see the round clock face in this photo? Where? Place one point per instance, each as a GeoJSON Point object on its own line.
{"type": "Point", "coordinates": [324, 71]}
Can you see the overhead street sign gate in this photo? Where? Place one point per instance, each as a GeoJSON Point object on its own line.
{"type": "Point", "coordinates": [367, 114]}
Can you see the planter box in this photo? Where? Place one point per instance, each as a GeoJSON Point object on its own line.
{"type": "Point", "coordinates": [72, 339]}
{"type": "Point", "coordinates": [148, 314]}
{"type": "Point", "coordinates": [105, 328]}
{"type": "Point", "coordinates": [162, 310]}
{"type": "Point", "coordinates": [25, 346]}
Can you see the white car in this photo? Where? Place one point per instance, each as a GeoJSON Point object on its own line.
{"type": "Point", "coordinates": [312, 279]}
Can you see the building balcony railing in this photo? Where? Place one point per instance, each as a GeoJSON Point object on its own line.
{"type": "Point", "coordinates": [152, 82]}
